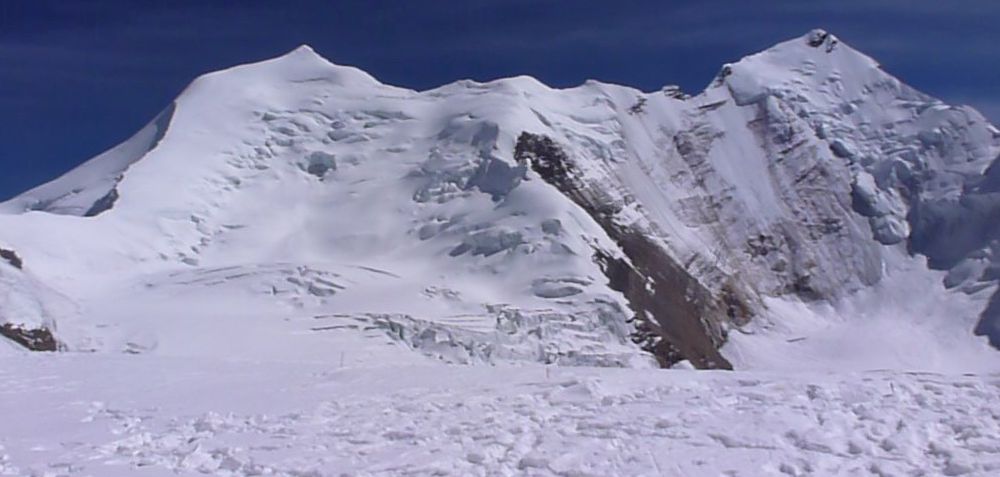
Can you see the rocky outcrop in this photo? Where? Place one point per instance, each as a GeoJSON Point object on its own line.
{"type": "Point", "coordinates": [34, 339]}
{"type": "Point", "coordinates": [104, 204]}
{"type": "Point", "coordinates": [676, 317]}
{"type": "Point", "coordinates": [12, 258]}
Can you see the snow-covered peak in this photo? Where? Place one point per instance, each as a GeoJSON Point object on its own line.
{"type": "Point", "coordinates": [505, 219]}
{"type": "Point", "coordinates": [817, 62]}
{"type": "Point", "coordinates": [817, 47]}
{"type": "Point", "coordinates": [305, 49]}
{"type": "Point", "coordinates": [301, 66]}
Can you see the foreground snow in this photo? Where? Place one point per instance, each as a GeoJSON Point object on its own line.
{"type": "Point", "coordinates": [114, 415]}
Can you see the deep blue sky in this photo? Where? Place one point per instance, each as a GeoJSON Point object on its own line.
{"type": "Point", "coordinates": [77, 77]}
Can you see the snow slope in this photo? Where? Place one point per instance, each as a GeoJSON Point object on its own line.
{"type": "Point", "coordinates": [298, 210]}
{"type": "Point", "coordinates": [108, 415]}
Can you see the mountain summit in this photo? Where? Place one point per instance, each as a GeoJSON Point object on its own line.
{"type": "Point", "coordinates": [806, 210]}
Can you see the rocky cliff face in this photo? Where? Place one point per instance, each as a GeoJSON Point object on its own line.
{"type": "Point", "coordinates": [509, 220]}
{"type": "Point", "coordinates": [676, 317]}
{"type": "Point", "coordinates": [28, 308]}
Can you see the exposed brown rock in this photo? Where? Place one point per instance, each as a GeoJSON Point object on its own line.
{"type": "Point", "coordinates": [37, 339]}
{"type": "Point", "coordinates": [676, 317]}
{"type": "Point", "coordinates": [11, 257]}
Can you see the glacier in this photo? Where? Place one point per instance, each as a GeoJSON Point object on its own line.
{"type": "Point", "coordinates": [289, 204]}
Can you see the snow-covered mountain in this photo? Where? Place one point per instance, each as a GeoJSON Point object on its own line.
{"type": "Point", "coordinates": [806, 210]}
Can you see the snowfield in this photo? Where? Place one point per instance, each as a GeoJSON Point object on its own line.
{"type": "Point", "coordinates": [296, 270]}
{"type": "Point", "coordinates": [115, 415]}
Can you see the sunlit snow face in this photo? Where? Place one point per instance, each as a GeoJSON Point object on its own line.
{"type": "Point", "coordinates": [303, 200]}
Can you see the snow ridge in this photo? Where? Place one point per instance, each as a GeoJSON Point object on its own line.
{"type": "Point", "coordinates": [271, 197]}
